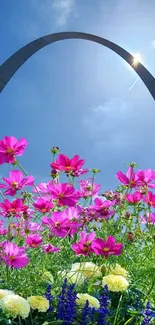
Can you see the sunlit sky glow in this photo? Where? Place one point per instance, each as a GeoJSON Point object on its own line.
{"type": "Point", "coordinates": [75, 94]}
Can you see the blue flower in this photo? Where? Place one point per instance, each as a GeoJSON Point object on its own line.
{"type": "Point", "coordinates": [85, 314]}
{"type": "Point", "coordinates": [148, 315]}
{"type": "Point", "coordinates": [49, 297]}
{"type": "Point", "coordinates": [66, 310]}
{"type": "Point", "coordinates": [103, 311]}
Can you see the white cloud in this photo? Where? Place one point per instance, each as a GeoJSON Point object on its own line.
{"type": "Point", "coordinates": [63, 9]}
{"type": "Point", "coordinates": [153, 44]}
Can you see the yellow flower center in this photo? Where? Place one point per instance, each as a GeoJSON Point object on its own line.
{"type": "Point", "coordinates": [9, 150]}
{"type": "Point", "coordinates": [15, 184]}
{"type": "Point", "coordinates": [106, 249]}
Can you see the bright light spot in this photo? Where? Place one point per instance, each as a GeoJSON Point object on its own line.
{"type": "Point", "coordinates": [137, 59]}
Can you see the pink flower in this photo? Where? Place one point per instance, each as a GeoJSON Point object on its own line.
{"type": "Point", "coordinates": [67, 165]}
{"type": "Point", "coordinates": [42, 188]}
{"type": "Point", "coordinates": [33, 241]}
{"type": "Point", "coordinates": [48, 248]}
{"type": "Point", "coordinates": [103, 208]}
{"type": "Point", "coordinates": [145, 177]}
{"type": "Point", "coordinates": [9, 147]}
{"type": "Point", "coordinates": [79, 172]}
{"type": "Point", "coordinates": [16, 182]}
{"type": "Point", "coordinates": [101, 247]}
{"type": "Point", "coordinates": [150, 199]}
{"type": "Point", "coordinates": [15, 207]}
{"type": "Point", "coordinates": [74, 219]}
{"type": "Point", "coordinates": [134, 198]}
{"type": "Point", "coordinates": [43, 205]}
{"type": "Point", "coordinates": [64, 193]}
{"type": "Point", "coordinates": [130, 179]}
{"type": "Point", "coordinates": [87, 188]}
{"type": "Point", "coordinates": [85, 244]}
{"type": "Point", "coordinates": [3, 231]}
{"type": "Point", "coordinates": [26, 227]}
{"type": "Point", "coordinates": [13, 255]}
{"type": "Point", "coordinates": [58, 223]}
{"type": "Point", "coordinates": [148, 218]}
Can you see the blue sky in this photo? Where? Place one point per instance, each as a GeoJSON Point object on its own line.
{"type": "Point", "coordinates": [75, 94]}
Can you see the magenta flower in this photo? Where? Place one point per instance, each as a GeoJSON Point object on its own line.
{"type": "Point", "coordinates": [148, 218]}
{"type": "Point", "coordinates": [103, 208]}
{"type": "Point", "coordinates": [85, 244]}
{"type": "Point", "coordinates": [87, 188]}
{"type": "Point", "coordinates": [26, 227]}
{"type": "Point", "coordinates": [58, 223]}
{"type": "Point", "coordinates": [79, 172]}
{"type": "Point", "coordinates": [74, 219]}
{"type": "Point", "coordinates": [33, 241]}
{"type": "Point", "coordinates": [42, 188]}
{"type": "Point", "coordinates": [134, 198]}
{"type": "Point", "coordinates": [101, 247]}
{"type": "Point", "coordinates": [145, 177]}
{"type": "Point", "coordinates": [3, 231]}
{"type": "Point", "coordinates": [15, 207]}
{"type": "Point", "coordinates": [64, 193]}
{"type": "Point", "coordinates": [43, 205]}
{"type": "Point", "coordinates": [11, 147]}
{"type": "Point", "coordinates": [67, 165]}
{"type": "Point", "coordinates": [48, 248]}
{"type": "Point", "coordinates": [130, 179]}
{"type": "Point", "coordinates": [16, 182]}
{"type": "Point", "coordinates": [150, 199]}
{"type": "Point", "coordinates": [13, 255]}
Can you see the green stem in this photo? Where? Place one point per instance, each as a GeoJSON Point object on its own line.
{"type": "Point", "coordinates": [120, 299]}
{"type": "Point", "coordinates": [26, 174]}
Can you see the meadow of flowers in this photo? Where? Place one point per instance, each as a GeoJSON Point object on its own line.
{"type": "Point", "coordinates": [71, 254]}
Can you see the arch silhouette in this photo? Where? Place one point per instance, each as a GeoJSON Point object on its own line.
{"type": "Point", "coordinates": [11, 65]}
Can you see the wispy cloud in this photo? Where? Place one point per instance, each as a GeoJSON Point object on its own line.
{"type": "Point", "coordinates": [63, 9]}
{"type": "Point", "coordinates": [153, 44]}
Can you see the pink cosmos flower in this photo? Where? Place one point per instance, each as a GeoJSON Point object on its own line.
{"type": "Point", "coordinates": [48, 248]}
{"type": "Point", "coordinates": [16, 182]}
{"type": "Point", "coordinates": [3, 231]}
{"type": "Point", "coordinates": [101, 247]}
{"type": "Point", "coordinates": [85, 244]}
{"type": "Point", "coordinates": [148, 218]}
{"type": "Point", "coordinates": [13, 255]}
{"type": "Point", "coordinates": [150, 199]}
{"type": "Point", "coordinates": [42, 188]}
{"type": "Point", "coordinates": [33, 241]}
{"type": "Point", "coordinates": [25, 227]}
{"type": "Point", "coordinates": [134, 198]}
{"type": "Point", "coordinates": [103, 208]}
{"type": "Point", "coordinates": [64, 193]}
{"type": "Point", "coordinates": [79, 172]}
{"type": "Point", "coordinates": [130, 179]}
{"type": "Point", "coordinates": [145, 177]}
{"type": "Point", "coordinates": [74, 219]}
{"type": "Point", "coordinates": [89, 189]}
{"type": "Point", "coordinates": [58, 223]}
{"type": "Point", "coordinates": [15, 207]}
{"type": "Point", "coordinates": [43, 205]}
{"type": "Point", "coordinates": [11, 147]}
{"type": "Point", "coordinates": [67, 165]}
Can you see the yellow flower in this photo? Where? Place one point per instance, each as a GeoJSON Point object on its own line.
{"type": "Point", "coordinates": [83, 297]}
{"type": "Point", "coordinates": [115, 282]}
{"type": "Point", "coordinates": [4, 293]}
{"type": "Point", "coordinates": [75, 277]}
{"type": "Point", "coordinates": [89, 269]}
{"type": "Point", "coordinates": [38, 302]}
{"type": "Point", "coordinates": [14, 305]}
{"type": "Point", "coordinates": [47, 276]}
{"type": "Point", "coordinates": [118, 270]}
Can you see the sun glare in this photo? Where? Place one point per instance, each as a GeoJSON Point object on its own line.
{"type": "Point", "coordinates": [137, 59]}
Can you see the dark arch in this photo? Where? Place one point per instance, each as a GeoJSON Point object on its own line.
{"type": "Point", "coordinates": [11, 65]}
